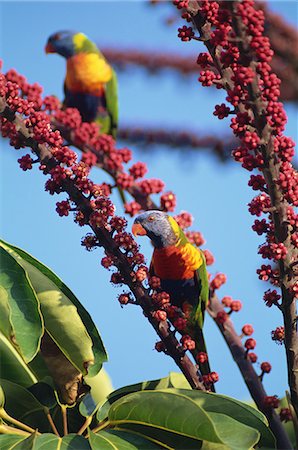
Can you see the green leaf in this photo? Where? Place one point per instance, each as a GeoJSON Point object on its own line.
{"type": "Point", "coordinates": [120, 440]}
{"type": "Point", "coordinates": [18, 296]}
{"type": "Point", "coordinates": [40, 369]}
{"type": "Point", "coordinates": [47, 441]}
{"type": "Point", "coordinates": [13, 367]}
{"type": "Point", "coordinates": [163, 437]}
{"type": "Point", "coordinates": [101, 387]}
{"type": "Point", "coordinates": [44, 441]}
{"type": "Point", "coordinates": [66, 320]}
{"type": "Point", "coordinates": [8, 441]}
{"type": "Point", "coordinates": [174, 379]}
{"type": "Point", "coordinates": [178, 380]}
{"type": "Point", "coordinates": [5, 324]}
{"type": "Point", "coordinates": [26, 444]}
{"type": "Point", "coordinates": [216, 403]}
{"type": "Point", "coordinates": [176, 411]}
{"type": "Point", "coordinates": [23, 406]}
{"type": "Point", "coordinates": [74, 442]}
{"type": "Point", "coordinates": [162, 410]}
{"type": "Point", "coordinates": [44, 393]}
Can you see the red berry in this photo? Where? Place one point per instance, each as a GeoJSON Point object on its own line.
{"type": "Point", "coordinates": [247, 330]}
{"type": "Point", "coordinates": [250, 343]}
{"type": "Point", "coordinates": [266, 367]}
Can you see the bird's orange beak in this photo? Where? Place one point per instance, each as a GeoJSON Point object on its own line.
{"type": "Point", "coordinates": [138, 230]}
{"type": "Point", "coordinates": [49, 48]}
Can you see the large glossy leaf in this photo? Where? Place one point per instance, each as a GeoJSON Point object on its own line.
{"type": "Point", "coordinates": [66, 320]}
{"type": "Point", "coordinates": [5, 323]}
{"type": "Point", "coordinates": [120, 440]}
{"type": "Point", "coordinates": [44, 393]}
{"type": "Point", "coordinates": [74, 442]}
{"type": "Point", "coordinates": [23, 406]}
{"type": "Point", "coordinates": [164, 437]}
{"type": "Point", "coordinates": [18, 297]}
{"type": "Point", "coordinates": [39, 368]}
{"type": "Point", "coordinates": [13, 367]}
{"type": "Point", "coordinates": [8, 441]}
{"type": "Point", "coordinates": [176, 411]}
{"type": "Point", "coordinates": [45, 441]}
{"type": "Point", "coordinates": [218, 404]}
{"type": "Point", "coordinates": [101, 387]}
{"type": "Point", "coordinates": [26, 444]}
{"type": "Point", "coordinates": [173, 380]}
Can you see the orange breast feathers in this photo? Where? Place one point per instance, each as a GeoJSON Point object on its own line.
{"type": "Point", "coordinates": [87, 73]}
{"type": "Point", "coordinates": [176, 263]}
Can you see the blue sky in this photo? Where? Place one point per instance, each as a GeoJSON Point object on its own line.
{"type": "Point", "coordinates": [214, 193]}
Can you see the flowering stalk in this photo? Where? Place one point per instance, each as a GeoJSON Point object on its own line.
{"type": "Point", "coordinates": [86, 137]}
{"type": "Point", "coordinates": [239, 61]}
{"type": "Point", "coordinates": [244, 360]}
{"type": "Point", "coordinates": [283, 38]}
{"type": "Point", "coordinates": [99, 215]}
{"type": "Point", "coordinates": [73, 179]}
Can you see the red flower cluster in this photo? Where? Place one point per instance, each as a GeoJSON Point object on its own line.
{"type": "Point", "coordinates": [210, 378]}
{"type": "Point", "coordinates": [168, 201]}
{"type": "Point", "coordinates": [278, 335]}
{"type": "Point", "coordinates": [271, 401]}
{"type": "Point", "coordinates": [285, 415]}
{"type": "Point", "coordinates": [218, 281]}
{"type": "Point", "coordinates": [259, 118]}
{"type": "Point", "coordinates": [271, 298]}
{"type": "Point", "coordinates": [185, 33]}
{"type": "Point", "coordinates": [188, 343]}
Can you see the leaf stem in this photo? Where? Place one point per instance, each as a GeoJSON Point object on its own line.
{"type": "Point", "coordinates": [85, 425]}
{"type": "Point", "coordinates": [53, 426]}
{"type": "Point", "coordinates": [17, 423]}
{"type": "Point", "coordinates": [64, 418]}
{"type": "Point", "coordinates": [6, 429]}
{"type": "Point", "coordinates": [101, 426]}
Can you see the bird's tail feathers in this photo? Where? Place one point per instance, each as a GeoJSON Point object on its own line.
{"type": "Point", "coordinates": [197, 335]}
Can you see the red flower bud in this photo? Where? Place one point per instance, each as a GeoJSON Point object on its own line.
{"type": "Point", "coordinates": [159, 315]}
{"type": "Point", "coordinates": [236, 305]}
{"type": "Point", "coordinates": [247, 330]}
{"type": "Point", "coordinates": [159, 346]}
{"type": "Point", "coordinates": [202, 357]}
{"type": "Point", "coordinates": [250, 343]}
{"type": "Point", "coordinates": [252, 356]}
{"type": "Point", "coordinates": [266, 367]}
{"type": "Point", "coordinates": [124, 299]}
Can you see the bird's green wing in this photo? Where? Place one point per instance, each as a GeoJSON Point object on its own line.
{"type": "Point", "coordinates": [112, 102]}
{"type": "Point", "coordinates": [202, 277]}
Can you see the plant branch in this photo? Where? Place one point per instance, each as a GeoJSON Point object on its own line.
{"type": "Point", "coordinates": [250, 377]}
{"type": "Point", "coordinates": [174, 348]}
{"type": "Point", "coordinates": [270, 168]}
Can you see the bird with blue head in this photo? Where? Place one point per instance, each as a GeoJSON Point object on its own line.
{"type": "Point", "coordinates": [90, 84]}
{"type": "Point", "coordinates": [181, 268]}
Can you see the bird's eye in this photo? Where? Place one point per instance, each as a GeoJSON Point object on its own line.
{"type": "Point", "coordinates": [151, 218]}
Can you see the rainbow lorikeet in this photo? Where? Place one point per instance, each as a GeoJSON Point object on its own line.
{"type": "Point", "coordinates": [181, 268]}
{"type": "Point", "coordinates": [90, 84]}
